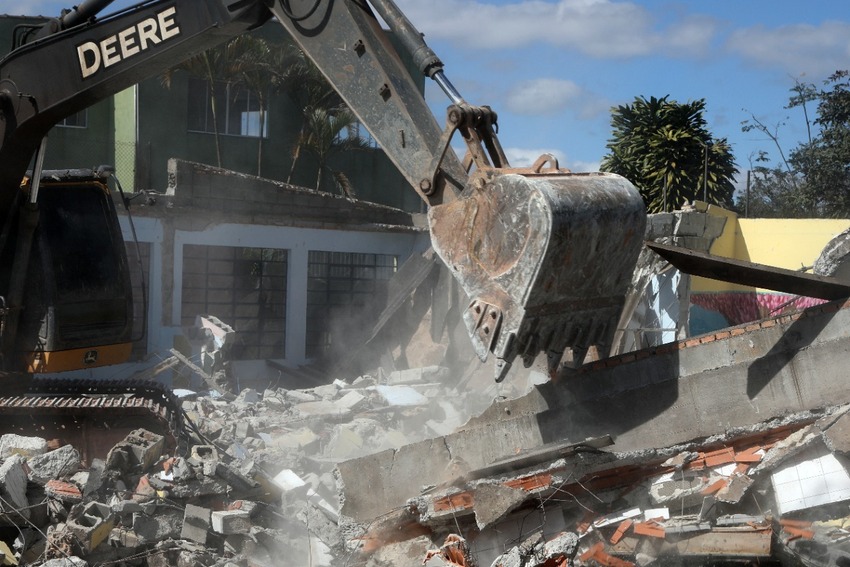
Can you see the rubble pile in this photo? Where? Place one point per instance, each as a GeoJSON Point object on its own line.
{"type": "Point", "coordinates": [777, 493]}
{"type": "Point", "coordinates": [253, 486]}
{"type": "Point", "coordinates": [257, 484]}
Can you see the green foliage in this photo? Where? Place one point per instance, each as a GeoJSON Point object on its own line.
{"type": "Point", "coordinates": [814, 179]}
{"type": "Point", "coordinates": [773, 191]}
{"type": "Point", "coordinates": [665, 150]}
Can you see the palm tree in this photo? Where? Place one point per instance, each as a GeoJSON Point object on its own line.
{"type": "Point", "coordinates": [664, 148]}
{"type": "Point", "coordinates": [327, 132]}
{"type": "Point", "coordinates": [257, 66]}
{"type": "Point", "coordinates": [210, 66]}
{"type": "Point", "coordinates": [312, 93]}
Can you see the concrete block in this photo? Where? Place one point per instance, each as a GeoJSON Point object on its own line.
{"type": "Point", "coordinates": [345, 443]}
{"type": "Point", "coordinates": [247, 397]}
{"type": "Point", "coordinates": [289, 482]}
{"type": "Point", "coordinates": [403, 396]}
{"type": "Point", "coordinates": [11, 444]}
{"type": "Point", "coordinates": [690, 223]}
{"type": "Point", "coordinates": [13, 482]}
{"type": "Point", "coordinates": [122, 537]}
{"type": "Point", "coordinates": [93, 525]}
{"type": "Point", "coordinates": [326, 392]}
{"type": "Point", "coordinates": [62, 462]}
{"type": "Point", "coordinates": [203, 453]}
{"type": "Point", "coordinates": [246, 506]}
{"type": "Point", "coordinates": [128, 506]}
{"type": "Point", "coordinates": [351, 401]}
{"type": "Point", "coordinates": [196, 524]}
{"type": "Point", "coordinates": [166, 523]}
{"type": "Point", "coordinates": [322, 409]}
{"type": "Point", "coordinates": [417, 375]}
{"type": "Point", "coordinates": [234, 477]}
{"type": "Point", "coordinates": [244, 430]}
{"type": "Point", "coordinates": [231, 522]}
{"type": "Point", "coordinates": [145, 446]}
{"type": "Point", "coordinates": [299, 396]}
{"type": "Point", "coordinates": [326, 507]}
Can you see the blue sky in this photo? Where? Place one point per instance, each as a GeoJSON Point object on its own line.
{"type": "Point", "coordinates": [553, 69]}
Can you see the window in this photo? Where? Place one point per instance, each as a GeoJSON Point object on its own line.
{"type": "Point", "coordinates": [237, 109]}
{"type": "Point", "coordinates": [78, 120]}
{"type": "Point", "coordinates": [358, 130]}
{"type": "Point", "coordinates": [340, 286]}
{"type": "Point", "coordinates": [245, 288]}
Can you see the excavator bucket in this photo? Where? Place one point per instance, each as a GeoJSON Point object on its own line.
{"type": "Point", "coordinates": [545, 257]}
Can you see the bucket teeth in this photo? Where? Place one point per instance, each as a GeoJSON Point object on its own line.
{"type": "Point", "coordinates": [545, 259]}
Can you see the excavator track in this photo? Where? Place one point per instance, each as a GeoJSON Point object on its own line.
{"type": "Point", "coordinates": [91, 415]}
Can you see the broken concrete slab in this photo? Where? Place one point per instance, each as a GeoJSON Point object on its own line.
{"type": "Point", "coordinates": [11, 444]}
{"type": "Point", "coordinates": [13, 485]}
{"type": "Point", "coordinates": [61, 462]}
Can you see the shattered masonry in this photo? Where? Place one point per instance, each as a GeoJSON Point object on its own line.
{"type": "Point", "coordinates": [729, 447]}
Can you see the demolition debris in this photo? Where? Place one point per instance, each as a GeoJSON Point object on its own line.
{"type": "Point", "coordinates": [259, 486]}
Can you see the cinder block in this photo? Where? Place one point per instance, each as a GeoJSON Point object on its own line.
{"type": "Point", "coordinates": [93, 525]}
{"type": "Point", "coordinates": [231, 522]}
{"type": "Point", "coordinates": [145, 446]}
{"type": "Point", "coordinates": [196, 524]}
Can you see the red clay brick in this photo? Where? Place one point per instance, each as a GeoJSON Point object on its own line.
{"type": "Point", "coordinates": [460, 501]}
{"type": "Point", "coordinates": [714, 487]}
{"type": "Point", "coordinates": [720, 457]}
{"type": "Point", "coordinates": [621, 531]}
{"type": "Point", "coordinates": [649, 529]}
{"type": "Point", "coordinates": [532, 482]}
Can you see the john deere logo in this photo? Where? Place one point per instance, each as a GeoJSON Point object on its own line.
{"type": "Point", "coordinates": [90, 357]}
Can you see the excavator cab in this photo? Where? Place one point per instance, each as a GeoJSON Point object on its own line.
{"type": "Point", "coordinates": [76, 308]}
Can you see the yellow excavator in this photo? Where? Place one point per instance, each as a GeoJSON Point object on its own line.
{"type": "Point", "coordinates": [544, 255]}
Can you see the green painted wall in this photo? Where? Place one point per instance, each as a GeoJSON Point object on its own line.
{"type": "Point", "coordinates": [125, 137]}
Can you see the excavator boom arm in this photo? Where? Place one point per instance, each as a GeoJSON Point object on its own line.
{"type": "Point", "coordinates": [544, 255]}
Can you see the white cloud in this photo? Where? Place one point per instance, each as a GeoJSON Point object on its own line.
{"type": "Point", "coordinates": [599, 28]}
{"type": "Point", "coordinates": [800, 48]}
{"type": "Point", "coordinates": [548, 95]}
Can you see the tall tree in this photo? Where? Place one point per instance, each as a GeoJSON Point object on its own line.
{"type": "Point", "coordinates": [215, 66]}
{"type": "Point", "coordinates": [327, 132]}
{"type": "Point", "coordinates": [314, 96]}
{"type": "Point", "coordinates": [665, 149]}
{"type": "Point", "coordinates": [812, 179]}
{"type": "Point", "coordinates": [256, 65]}
{"type": "Point", "coordinates": [825, 159]}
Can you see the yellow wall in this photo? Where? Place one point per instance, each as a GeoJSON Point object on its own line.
{"type": "Point", "coordinates": [783, 243]}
